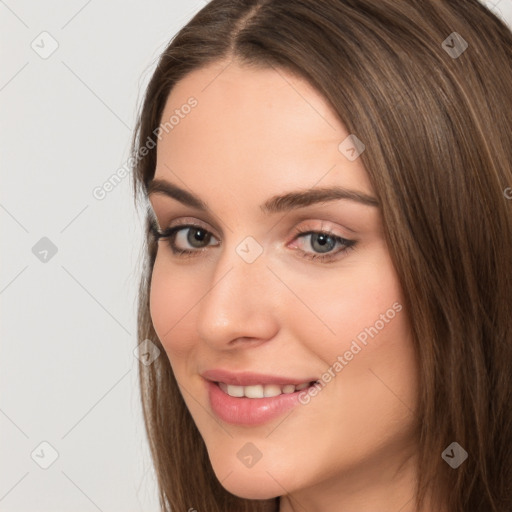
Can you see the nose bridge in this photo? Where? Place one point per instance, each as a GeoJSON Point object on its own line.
{"type": "Point", "coordinates": [242, 268]}
{"type": "Point", "coordinates": [238, 303]}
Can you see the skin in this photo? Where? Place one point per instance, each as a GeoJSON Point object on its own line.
{"type": "Point", "coordinates": [256, 133]}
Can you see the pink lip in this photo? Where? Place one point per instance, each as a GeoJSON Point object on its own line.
{"type": "Point", "coordinates": [249, 411]}
{"type": "Point", "coordinates": [250, 378]}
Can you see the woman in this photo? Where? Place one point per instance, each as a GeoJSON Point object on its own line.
{"type": "Point", "coordinates": [329, 258]}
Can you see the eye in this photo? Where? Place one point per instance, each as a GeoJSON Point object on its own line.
{"type": "Point", "coordinates": [199, 238]}
{"type": "Point", "coordinates": [324, 241]}
{"type": "Point", "coordinates": [194, 235]}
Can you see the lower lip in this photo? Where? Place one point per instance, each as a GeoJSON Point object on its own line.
{"type": "Point", "coordinates": [249, 411]}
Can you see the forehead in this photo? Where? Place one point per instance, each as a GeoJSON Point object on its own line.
{"type": "Point", "coordinates": [254, 131]}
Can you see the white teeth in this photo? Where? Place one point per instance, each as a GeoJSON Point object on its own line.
{"type": "Point", "coordinates": [253, 391]}
{"type": "Point", "coordinates": [235, 390]}
{"type": "Point", "coordinates": [260, 390]}
{"type": "Point", "coordinates": [271, 390]}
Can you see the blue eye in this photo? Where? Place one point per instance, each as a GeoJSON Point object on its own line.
{"type": "Point", "coordinates": [325, 241]}
{"type": "Point", "coordinates": [200, 238]}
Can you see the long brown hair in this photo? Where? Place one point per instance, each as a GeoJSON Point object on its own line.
{"type": "Point", "coordinates": [435, 116]}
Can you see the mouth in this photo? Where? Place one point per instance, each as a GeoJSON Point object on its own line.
{"type": "Point", "coordinates": [262, 390]}
{"type": "Point", "coordinates": [254, 404]}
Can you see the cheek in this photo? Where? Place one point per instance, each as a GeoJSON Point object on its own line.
{"type": "Point", "coordinates": [171, 302]}
{"type": "Point", "coordinates": [362, 303]}
{"type": "Point", "coordinates": [362, 334]}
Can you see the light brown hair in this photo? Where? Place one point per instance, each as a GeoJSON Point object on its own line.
{"type": "Point", "coordinates": [438, 134]}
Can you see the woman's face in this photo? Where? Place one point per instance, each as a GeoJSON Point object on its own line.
{"type": "Point", "coordinates": [250, 307]}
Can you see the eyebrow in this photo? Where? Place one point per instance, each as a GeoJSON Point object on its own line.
{"type": "Point", "coordinates": [276, 204]}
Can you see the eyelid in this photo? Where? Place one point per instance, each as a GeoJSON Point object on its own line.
{"type": "Point", "coordinates": [186, 221]}
{"type": "Point", "coordinates": [323, 227]}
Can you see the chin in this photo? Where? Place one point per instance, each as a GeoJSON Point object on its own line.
{"type": "Point", "coordinates": [248, 483]}
{"type": "Point", "coordinates": [252, 489]}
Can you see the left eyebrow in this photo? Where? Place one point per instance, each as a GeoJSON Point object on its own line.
{"type": "Point", "coordinates": [276, 204]}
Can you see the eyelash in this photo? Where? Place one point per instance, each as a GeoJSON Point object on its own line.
{"type": "Point", "coordinates": [170, 233]}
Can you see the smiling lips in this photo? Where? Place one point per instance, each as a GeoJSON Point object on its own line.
{"type": "Point", "coordinates": [260, 390]}
{"type": "Point", "coordinates": [251, 398]}
{"type": "Point", "coordinates": [251, 378]}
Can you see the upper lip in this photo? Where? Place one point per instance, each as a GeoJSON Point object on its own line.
{"type": "Point", "coordinates": [250, 378]}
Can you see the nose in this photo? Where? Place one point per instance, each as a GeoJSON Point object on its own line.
{"type": "Point", "coordinates": [241, 304]}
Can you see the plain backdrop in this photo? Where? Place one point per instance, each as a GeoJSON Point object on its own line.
{"type": "Point", "coordinates": [72, 76]}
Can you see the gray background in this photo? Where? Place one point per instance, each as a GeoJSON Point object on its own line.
{"type": "Point", "coordinates": [68, 374]}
